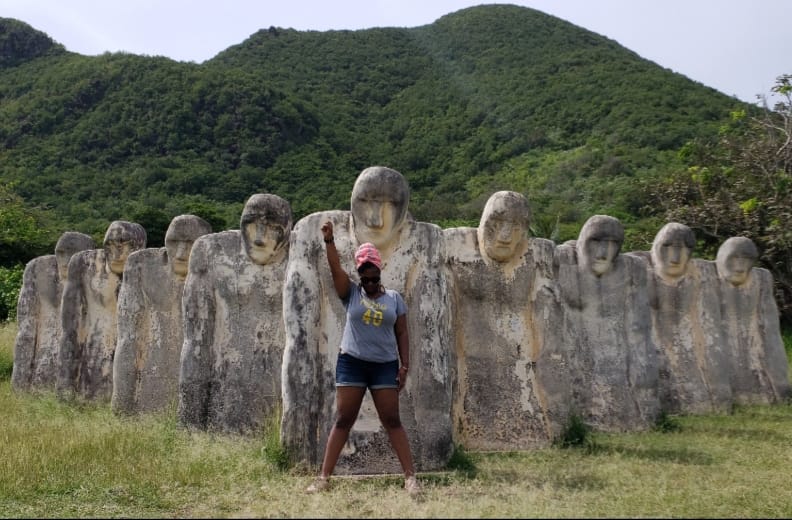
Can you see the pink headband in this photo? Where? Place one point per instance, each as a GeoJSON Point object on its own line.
{"type": "Point", "coordinates": [367, 253]}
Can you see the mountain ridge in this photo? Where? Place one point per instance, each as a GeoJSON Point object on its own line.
{"type": "Point", "coordinates": [488, 97]}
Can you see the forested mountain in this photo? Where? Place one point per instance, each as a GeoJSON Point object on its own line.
{"type": "Point", "coordinates": [486, 98]}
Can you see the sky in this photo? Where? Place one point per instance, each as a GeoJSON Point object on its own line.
{"type": "Point", "coordinates": [738, 47]}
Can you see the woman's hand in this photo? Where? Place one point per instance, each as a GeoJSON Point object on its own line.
{"type": "Point", "coordinates": [402, 377]}
{"type": "Point", "coordinates": [327, 231]}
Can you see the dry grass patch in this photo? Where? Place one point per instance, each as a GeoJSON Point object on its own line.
{"type": "Point", "coordinates": [66, 460]}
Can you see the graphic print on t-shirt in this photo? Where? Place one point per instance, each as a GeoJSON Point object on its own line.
{"type": "Point", "coordinates": [374, 312]}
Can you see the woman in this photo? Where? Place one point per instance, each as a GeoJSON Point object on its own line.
{"type": "Point", "coordinates": [375, 339]}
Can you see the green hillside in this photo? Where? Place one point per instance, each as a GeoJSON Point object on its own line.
{"type": "Point", "coordinates": [486, 98]}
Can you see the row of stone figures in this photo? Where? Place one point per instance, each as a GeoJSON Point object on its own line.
{"type": "Point", "coordinates": [510, 335]}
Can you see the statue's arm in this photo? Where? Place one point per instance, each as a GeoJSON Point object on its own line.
{"type": "Point", "coordinates": [776, 362]}
{"type": "Point", "coordinates": [25, 344]}
{"type": "Point", "coordinates": [71, 315]}
{"type": "Point", "coordinates": [130, 321]}
{"type": "Point", "coordinates": [300, 377]}
{"type": "Point", "coordinates": [198, 309]}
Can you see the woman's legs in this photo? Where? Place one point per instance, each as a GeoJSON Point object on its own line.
{"type": "Point", "coordinates": [348, 400]}
{"type": "Point", "coordinates": [386, 400]}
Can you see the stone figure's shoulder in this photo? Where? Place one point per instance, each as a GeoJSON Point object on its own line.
{"type": "Point", "coordinates": [86, 260]}
{"type": "Point", "coordinates": [208, 249]}
{"type": "Point", "coordinates": [84, 266]}
{"type": "Point", "coordinates": [706, 270]}
{"type": "Point", "coordinates": [565, 255]}
{"type": "Point", "coordinates": [307, 232]}
{"type": "Point", "coordinates": [224, 241]}
{"type": "Point", "coordinates": [763, 276]}
{"type": "Point", "coordinates": [41, 271]}
{"type": "Point", "coordinates": [45, 265]}
{"type": "Point", "coordinates": [643, 255]}
{"type": "Point", "coordinates": [41, 262]}
{"type": "Point", "coordinates": [635, 259]}
{"type": "Point", "coordinates": [423, 239]}
{"type": "Point", "coordinates": [542, 248]}
{"type": "Point", "coordinates": [461, 244]}
{"type": "Point", "coordinates": [312, 223]}
{"type": "Point", "coordinates": [151, 256]}
{"type": "Point", "coordinates": [425, 227]}
{"type": "Point", "coordinates": [147, 267]}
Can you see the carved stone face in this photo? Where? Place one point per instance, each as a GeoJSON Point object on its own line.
{"type": "Point", "coordinates": [671, 250]}
{"type": "Point", "coordinates": [599, 243]}
{"type": "Point", "coordinates": [182, 233]}
{"type": "Point", "coordinates": [504, 225]}
{"type": "Point", "coordinates": [601, 252]}
{"type": "Point", "coordinates": [379, 205]}
{"type": "Point", "coordinates": [736, 257]}
{"type": "Point", "coordinates": [266, 226]}
{"type": "Point", "coordinates": [69, 243]}
{"type": "Point", "coordinates": [121, 239]}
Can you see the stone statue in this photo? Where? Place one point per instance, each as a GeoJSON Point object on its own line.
{"type": "Point", "coordinates": [314, 315]}
{"type": "Point", "coordinates": [230, 375]}
{"type": "Point", "coordinates": [684, 301]}
{"type": "Point", "coordinates": [751, 325]}
{"type": "Point", "coordinates": [605, 324]}
{"type": "Point", "coordinates": [150, 326]}
{"type": "Point", "coordinates": [500, 279]}
{"type": "Point", "coordinates": [89, 313]}
{"type": "Point", "coordinates": [38, 315]}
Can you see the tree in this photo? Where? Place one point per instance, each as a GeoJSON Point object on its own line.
{"type": "Point", "coordinates": [24, 230]}
{"type": "Point", "coordinates": [740, 184]}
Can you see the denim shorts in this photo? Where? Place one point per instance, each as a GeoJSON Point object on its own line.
{"type": "Point", "coordinates": [351, 371]}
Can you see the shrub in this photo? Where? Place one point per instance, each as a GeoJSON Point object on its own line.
{"type": "Point", "coordinates": [273, 450]}
{"type": "Point", "coordinates": [461, 461]}
{"type": "Point", "coordinates": [10, 284]}
{"type": "Point", "coordinates": [666, 423]}
{"type": "Point", "coordinates": [576, 434]}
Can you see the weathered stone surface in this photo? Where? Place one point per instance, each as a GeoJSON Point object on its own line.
{"type": "Point", "coordinates": [606, 329]}
{"type": "Point", "coordinates": [510, 335]}
{"type": "Point", "coordinates": [38, 332]}
{"type": "Point", "coordinates": [230, 368]}
{"type": "Point", "coordinates": [501, 279]}
{"type": "Point", "coordinates": [38, 315]}
{"type": "Point", "coordinates": [150, 325]}
{"type": "Point", "coordinates": [89, 313]}
{"type": "Point", "coordinates": [693, 361]}
{"type": "Point", "coordinates": [751, 325]}
{"type": "Point", "coordinates": [314, 315]}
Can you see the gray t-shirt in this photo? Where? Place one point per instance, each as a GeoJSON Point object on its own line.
{"type": "Point", "coordinates": [369, 334]}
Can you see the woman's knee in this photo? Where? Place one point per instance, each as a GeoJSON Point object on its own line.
{"type": "Point", "coordinates": [345, 421]}
{"type": "Point", "coordinates": [391, 421]}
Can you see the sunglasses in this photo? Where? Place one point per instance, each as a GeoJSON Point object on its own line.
{"type": "Point", "coordinates": [365, 280]}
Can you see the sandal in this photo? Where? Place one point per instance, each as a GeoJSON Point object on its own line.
{"type": "Point", "coordinates": [412, 486]}
{"type": "Point", "coordinates": [318, 485]}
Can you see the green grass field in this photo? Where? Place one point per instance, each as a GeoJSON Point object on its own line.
{"type": "Point", "coordinates": [61, 460]}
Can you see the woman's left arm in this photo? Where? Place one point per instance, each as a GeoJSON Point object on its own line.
{"type": "Point", "coordinates": [403, 343]}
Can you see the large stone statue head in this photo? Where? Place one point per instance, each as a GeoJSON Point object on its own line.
{"type": "Point", "coordinates": [182, 232]}
{"type": "Point", "coordinates": [599, 243]}
{"type": "Point", "coordinates": [69, 243]}
{"type": "Point", "coordinates": [379, 203]}
{"type": "Point", "coordinates": [266, 225]}
{"type": "Point", "coordinates": [504, 225]}
{"type": "Point", "coordinates": [736, 257]}
{"type": "Point", "coordinates": [121, 239]}
{"type": "Point", "coordinates": [671, 250]}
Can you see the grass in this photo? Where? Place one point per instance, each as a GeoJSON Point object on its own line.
{"type": "Point", "coordinates": [60, 460]}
